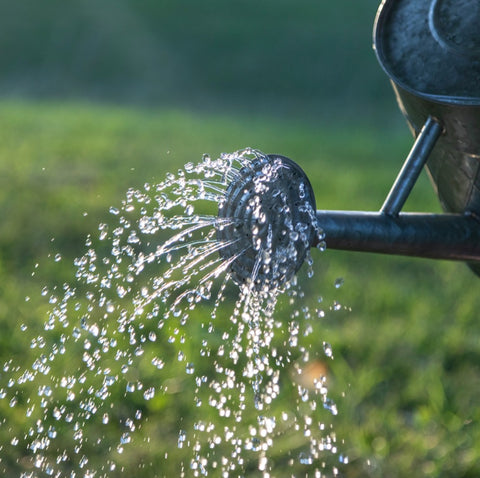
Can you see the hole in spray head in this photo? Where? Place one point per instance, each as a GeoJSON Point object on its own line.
{"type": "Point", "coordinates": [267, 221]}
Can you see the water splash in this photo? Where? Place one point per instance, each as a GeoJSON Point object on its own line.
{"type": "Point", "coordinates": [156, 327]}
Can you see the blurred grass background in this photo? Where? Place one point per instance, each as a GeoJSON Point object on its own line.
{"type": "Point", "coordinates": [100, 96]}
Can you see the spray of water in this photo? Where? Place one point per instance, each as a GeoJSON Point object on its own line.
{"type": "Point", "coordinates": [159, 341]}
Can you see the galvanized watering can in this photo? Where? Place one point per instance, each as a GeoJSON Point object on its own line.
{"type": "Point", "coordinates": [430, 50]}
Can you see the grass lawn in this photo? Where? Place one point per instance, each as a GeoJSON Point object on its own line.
{"type": "Point", "coordinates": [406, 339]}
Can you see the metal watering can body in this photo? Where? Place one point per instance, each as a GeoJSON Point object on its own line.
{"type": "Point", "coordinates": [454, 163]}
{"type": "Point", "coordinates": [431, 52]}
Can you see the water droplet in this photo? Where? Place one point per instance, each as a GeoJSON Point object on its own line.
{"type": "Point", "coordinates": [327, 348]}
{"type": "Point", "coordinates": [182, 436]}
{"type": "Point", "coordinates": [262, 463]}
{"type": "Point", "coordinates": [157, 362]}
{"type": "Point", "coordinates": [149, 393]}
{"type": "Point", "coordinates": [305, 458]}
{"type": "Point", "coordinates": [339, 282]}
{"type": "Point", "coordinates": [158, 283]}
{"type": "Point", "coordinates": [330, 405]}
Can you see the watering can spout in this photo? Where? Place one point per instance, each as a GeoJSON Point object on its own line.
{"type": "Point", "coordinates": [434, 236]}
{"type": "Point", "coordinates": [435, 80]}
{"type": "Point", "coordinates": [269, 208]}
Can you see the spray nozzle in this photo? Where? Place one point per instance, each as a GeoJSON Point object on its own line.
{"type": "Point", "coordinates": [267, 221]}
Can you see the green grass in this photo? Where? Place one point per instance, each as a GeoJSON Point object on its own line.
{"type": "Point", "coordinates": [406, 372]}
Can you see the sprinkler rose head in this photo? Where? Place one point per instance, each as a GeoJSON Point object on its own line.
{"type": "Point", "coordinates": [267, 221]}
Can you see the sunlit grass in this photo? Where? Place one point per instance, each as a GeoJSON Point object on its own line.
{"type": "Point", "coordinates": [405, 338]}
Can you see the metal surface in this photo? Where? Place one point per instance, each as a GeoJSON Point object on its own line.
{"type": "Point", "coordinates": [431, 47]}
{"type": "Point", "coordinates": [431, 52]}
{"type": "Point", "coordinates": [269, 211]}
{"type": "Point", "coordinates": [278, 188]}
{"type": "Point", "coordinates": [412, 167]}
{"type": "Point", "coordinates": [434, 236]}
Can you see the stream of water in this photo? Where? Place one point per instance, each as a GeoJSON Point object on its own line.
{"type": "Point", "coordinates": [157, 358]}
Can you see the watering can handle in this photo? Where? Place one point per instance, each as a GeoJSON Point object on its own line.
{"type": "Point", "coordinates": [412, 167]}
{"type": "Point", "coordinates": [436, 236]}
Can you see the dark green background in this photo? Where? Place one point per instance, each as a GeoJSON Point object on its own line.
{"type": "Point", "coordinates": [307, 59]}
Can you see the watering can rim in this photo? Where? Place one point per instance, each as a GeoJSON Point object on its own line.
{"type": "Point", "coordinates": [380, 18]}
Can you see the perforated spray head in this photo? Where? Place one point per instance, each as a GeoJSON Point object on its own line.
{"type": "Point", "coordinates": [267, 221]}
